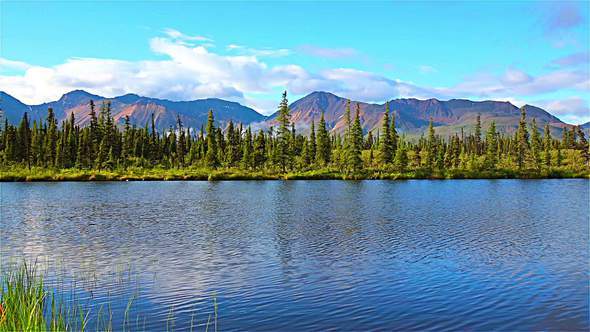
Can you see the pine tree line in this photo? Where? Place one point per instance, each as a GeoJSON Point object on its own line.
{"type": "Point", "coordinates": [104, 146]}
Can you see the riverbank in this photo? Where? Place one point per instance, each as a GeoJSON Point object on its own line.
{"type": "Point", "coordinates": [200, 174]}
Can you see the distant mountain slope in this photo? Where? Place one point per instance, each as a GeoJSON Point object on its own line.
{"type": "Point", "coordinates": [139, 109]}
{"type": "Point", "coordinates": [413, 115]}
{"type": "Point", "coordinates": [11, 107]}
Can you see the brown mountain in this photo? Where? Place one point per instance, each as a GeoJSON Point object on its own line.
{"type": "Point", "coordinates": [139, 109]}
{"type": "Point", "coordinates": [412, 115]}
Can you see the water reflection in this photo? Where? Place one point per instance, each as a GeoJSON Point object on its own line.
{"type": "Point", "coordinates": [317, 254]}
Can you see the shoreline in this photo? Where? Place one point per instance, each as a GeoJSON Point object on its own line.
{"type": "Point", "coordinates": [75, 175]}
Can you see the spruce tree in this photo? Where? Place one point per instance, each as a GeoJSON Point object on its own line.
{"type": "Point", "coordinates": [247, 154]}
{"type": "Point", "coordinates": [394, 136]}
{"type": "Point", "coordinates": [24, 141]}
{"type": "Point", "coordinates": [312, 142]}
{"type": "Point", "coordinates": [259, 153]}
{"type": "Point", "coordinates": [535, 145]}
{"type": "Point", "coordinates": [231, 154]}
{"type": "Point", "coordinates": [369, 141]}
{"type": "Point", "coordinates": [221, 144]}
{"type": "Point", "coordinates": [94, 131]}
{"type": "Point", "coordinates": [51, 138]}
{"type": "Point", "coordinates": [211, 156]}
{"type": "Point", "coordinates": [401, 158]}
{"type": "Point", "coordinates": [181, 144]}
{"type": "Point", "coordinates": [284, 135]}
{"type": "Point", "coordinates": [547, 140]}
{"type": "Point", "coordinates": [323, 152]}
{"type": "Point", "coordinates": [430, 146]}
{"type": "Point", "coordinates": [522, 140]}
{"type": "Point", "coordinates": [385, 146]}
{"type": "Point", "coordinates": [491, 146]}
{"type": "Point", "coordinates": [305, 155]}
{"type": "Point", "coordinates": [478, 135]}
{"type": "Point", "coordinates": [354, 157]}
{"type": "Point", "coordinates": [103, 153]}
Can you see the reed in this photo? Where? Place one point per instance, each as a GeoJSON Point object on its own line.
{"type": "Point", "coordinates": [28, 304]}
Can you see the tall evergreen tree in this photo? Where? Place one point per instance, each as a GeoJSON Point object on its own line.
{"type": "Point", "coordinates": [181, 144]}
{"type": "Point", "coordinates": [401, 157]}
{"type": "Point", "coordinates": [48, 145]}
{"type": "Point", "coordinates": [51, 138]}
{"type": "Point", "coordinates": [312, 142]}
{"type": "Point", "coordinates": [323, 152]}
{"type": "Point", "coordinates": [491, 146]}
{"type": "Point", "coordinates": [354, 157]}
{"type": "Point", "coordinates": [211, 156]}
{"type": "Point", "coordinates": [284, 135]}
{"type": "Point", "coordinates": [385, 146]}
{"type": "Point", "coordinates": [430, 146]}
{"type": "Point", "coordinates": [24, 141]}
{"type": "Point", "coordinates": [547, 145]}
{"type": "Point", "coordinates": [522, 140]}
{"type": "Point", "coordinates": [259, 153]}
{"type": "Point", "coordinates": [247, 154]}
{"type": "Point", "coordinates": [394, 136]}
{"type": "Point", "coordinates": [478, 135]}
{"type": "Point", "coordinates": [535, 145]}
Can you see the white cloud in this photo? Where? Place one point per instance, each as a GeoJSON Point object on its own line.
{"type": "Point", "coordinates": [514, 82]}
{"type": "Point", "coordinates": [262, 52]}
{"type": "Point", "coordinates": [514, 76]}
{"type": "Point", "coordinates": [325, 52]}
{"type": "Point", "coordinates": [6, 65]}
{"type": "Point", "coordinates": [572, 60]}
{"type": "Point", "coordinates": [572, 110]}
{"type": "Point", "coordinates": [175, 34]}
{"type": "Point", "coordinates": [425, 69]}
{"type": "Point", "coordinates": [191, 71]}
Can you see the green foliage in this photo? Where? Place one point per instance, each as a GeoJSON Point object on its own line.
{"type": "Point", "coordinates": [211, 157]}
{"type": "Point", "coordinates": [28, 304]}
{"type": "Point", "coordinates": [283, 151]}
{"type": "Point", "coordinates": [522, 140]}
{"type": "Point", "coordinates": [323, 148]}
{"type": "Point", "coordinates": [385, 144]}
{"type": "Point", "coordinates": [104, 151]}
{"type": "Point", "coordinates": [355, 143]}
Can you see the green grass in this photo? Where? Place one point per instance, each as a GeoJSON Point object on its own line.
{"type": "Point", "coordinates": [202, 174]}
{"type": "Point", "coordinates": [27, 304]}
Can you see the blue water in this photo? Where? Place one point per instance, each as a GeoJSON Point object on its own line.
{"type": "Point", "coordinates": [312, 255]}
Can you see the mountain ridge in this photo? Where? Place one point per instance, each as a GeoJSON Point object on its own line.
{"type": "Point", "coordinates": [412, 114]}
{"type": "Point", "coordinates": [193, 113]}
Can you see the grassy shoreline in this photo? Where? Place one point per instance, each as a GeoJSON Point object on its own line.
{"type": "Point", "coordinates": [28, 303]}
{"type": "Point", "coordinates": [155, 174]}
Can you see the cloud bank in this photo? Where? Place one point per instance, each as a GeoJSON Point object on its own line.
{"type": "Point", "coordinates": [191, 70]}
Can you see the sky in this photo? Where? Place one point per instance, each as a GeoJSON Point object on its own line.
{"type": "Point", "coordinates": [524, 52]}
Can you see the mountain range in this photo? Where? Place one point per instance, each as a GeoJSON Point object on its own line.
{"type": "Point", "coordinates": [412, 115]}
{"type": "Point", "coordinates": [139, 109]}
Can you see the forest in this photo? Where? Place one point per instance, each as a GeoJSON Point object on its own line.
{"type": "Point", "coordinates": [107, 151]}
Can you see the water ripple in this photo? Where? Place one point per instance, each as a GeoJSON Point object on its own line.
{"type": "Point", "coordinates": [314, 255]}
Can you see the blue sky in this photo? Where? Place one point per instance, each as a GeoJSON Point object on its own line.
{"type": "Point", "coordinates": [524, 52]}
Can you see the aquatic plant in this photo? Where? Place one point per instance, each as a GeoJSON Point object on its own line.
{"type": "Point", "coordinates": [28, 304]}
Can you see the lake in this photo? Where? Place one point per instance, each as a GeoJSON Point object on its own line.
{"type": "Point", "coordinates": [312, 255]}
